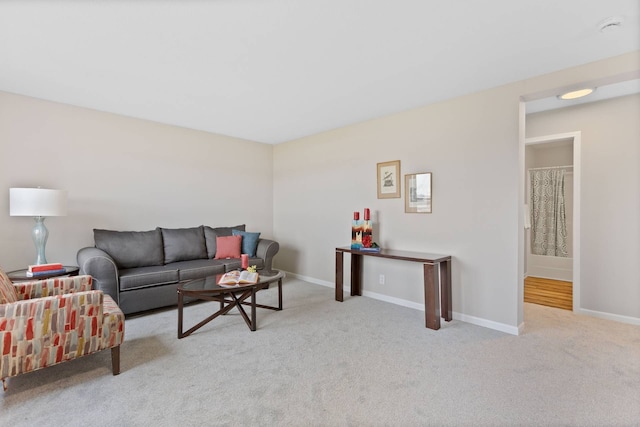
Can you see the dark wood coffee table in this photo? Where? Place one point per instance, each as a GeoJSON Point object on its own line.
{"type": "Point", "coordinates": [207, 289]}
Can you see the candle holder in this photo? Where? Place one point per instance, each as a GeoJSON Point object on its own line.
{"type": "Point", "coordinates": [362, 231]}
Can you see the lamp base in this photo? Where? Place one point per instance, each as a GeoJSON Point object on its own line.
{"type": "Point", "coordinates": [40, 235]}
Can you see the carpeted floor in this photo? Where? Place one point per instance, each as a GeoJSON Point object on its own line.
{"type": "Point", "coordinates": [359, 363]}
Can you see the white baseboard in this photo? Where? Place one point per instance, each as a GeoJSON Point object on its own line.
{"type": "Point", "coordinates": [394, 300]}
{"type": "Point", "coordinates": [610, 316]}
{"type": "Point", "coordinates": [311, 279]}
{"type": "Point", "coordinates": [497, 326]}
{"type": "Point", "coordinates": [513, 330]}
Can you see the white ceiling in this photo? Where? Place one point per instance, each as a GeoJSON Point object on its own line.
{"type": "Point", "coordinates": [276, 70]}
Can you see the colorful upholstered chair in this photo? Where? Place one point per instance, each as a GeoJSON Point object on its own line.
{"type": "Point", "coordinates": [46, 322]}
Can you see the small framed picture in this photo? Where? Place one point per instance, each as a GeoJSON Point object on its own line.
{"type": "Point", "coordinates": [389, 180]}
{"type": "Point", "coordinates": [417, 197]}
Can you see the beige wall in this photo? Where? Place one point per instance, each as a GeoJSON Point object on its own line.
{"type": "Point", "coordinates": [123, 174]}
{"type": "Point", "coordinates": [473, 146]}
{"type": "Point", "coordinates": [548, 155]}
{"type": "Point", "coordinates": [335, 174]}
{"type": "Point", "coordinates": [610, 199]}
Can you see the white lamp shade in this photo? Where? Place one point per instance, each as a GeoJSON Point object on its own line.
{"type": "Point", "coordinates": [37, 202]}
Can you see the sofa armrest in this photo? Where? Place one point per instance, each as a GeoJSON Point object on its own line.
{"type": "Point", "coordinates": [52, 286]}
{"type": "Point", "coordinates": [101, 266]}
{"type": "Point", "coordinates": [266, 250]}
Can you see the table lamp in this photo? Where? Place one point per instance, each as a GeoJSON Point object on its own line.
{"type": "Point", "coordinates": [38, 203]}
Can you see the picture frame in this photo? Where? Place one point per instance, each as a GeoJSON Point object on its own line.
{"type": "Point", "coordinates": [389, 180]}
{"type": "Point", "coordinates": [418, 192]}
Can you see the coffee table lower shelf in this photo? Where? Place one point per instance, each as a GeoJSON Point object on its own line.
{"type": "Point", "coordinates": [207, 289]}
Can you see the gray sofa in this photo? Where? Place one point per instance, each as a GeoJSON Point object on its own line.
{"type": "Point", "coordinates": [141, 269]}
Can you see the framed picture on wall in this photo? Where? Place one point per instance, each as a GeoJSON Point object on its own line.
{"type": "Point", "coordinates": [389, 180]}
{"type": "Point", "coordinates": [417, 197]}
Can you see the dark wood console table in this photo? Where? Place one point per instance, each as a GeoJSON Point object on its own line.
{"type": "Point", "coordinates": [437, 281]}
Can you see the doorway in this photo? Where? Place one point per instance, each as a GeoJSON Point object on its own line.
{"type": "Point", "coordinates": [555, 277]}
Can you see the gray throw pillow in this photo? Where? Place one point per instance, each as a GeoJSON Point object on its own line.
{"type": "Point", "coordinates": [210, 235]}
{"type": "Point", "coordinates": [183, 244]}
{"type": "Point", "coordinates": [131, 249]}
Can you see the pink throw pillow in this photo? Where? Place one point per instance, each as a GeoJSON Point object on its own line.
{"type": "Point", "coordinates": [228, 247]}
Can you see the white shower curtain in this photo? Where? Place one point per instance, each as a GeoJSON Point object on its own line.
{"type": "Point", "coordinates": [548, 221]}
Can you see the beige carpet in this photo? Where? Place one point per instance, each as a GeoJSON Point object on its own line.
{"type": "Point", "coordinates": [359, 363]}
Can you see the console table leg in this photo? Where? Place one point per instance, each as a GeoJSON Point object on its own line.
{"type": "Point", "coordinates": [356, 274]}
{"type": "Point", "coordinates": [445, 289]}
{"type": "Point", "coordinates": [339, 275]}
{"type": "Point", "coordinates": [431, 297]}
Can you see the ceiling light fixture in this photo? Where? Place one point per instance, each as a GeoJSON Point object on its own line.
{"type": "Point", "coordinates": [575, 94]}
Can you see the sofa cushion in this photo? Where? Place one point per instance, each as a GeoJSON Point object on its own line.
{"type": "Point", "coordinates": [228, 247]}
{"type": "Point", "coordinates": [210, 235]}
{"type": "Point", "coordinates": [131, 249]}
{"type": "Point", "coordinates": [8, 292]}
{"type": "Point", "coordinates": [142, 277]}
{"type": "Point", "coordinates": [236, 263]}
{"type": "Point", "coordinates": [199, 268]}
{"type": "Point", "coordinates": [249, 241]}
{"type": "Point", "coordinates": [183, 244]}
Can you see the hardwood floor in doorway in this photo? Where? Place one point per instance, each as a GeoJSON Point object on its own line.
{"type": "Point", "coordinates": [549, 292]}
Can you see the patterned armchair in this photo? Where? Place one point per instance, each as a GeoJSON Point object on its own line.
{"type": "Point", "coordinates": [46, 322]}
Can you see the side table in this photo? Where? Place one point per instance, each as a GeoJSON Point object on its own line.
{"type": "Point", "coordinates": [437, 279]}
{"type": "Point", "coordinates": [21, 275]}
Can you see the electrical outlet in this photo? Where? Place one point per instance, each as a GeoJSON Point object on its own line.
{"type": "Point", "coordinates": [382, 279]}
